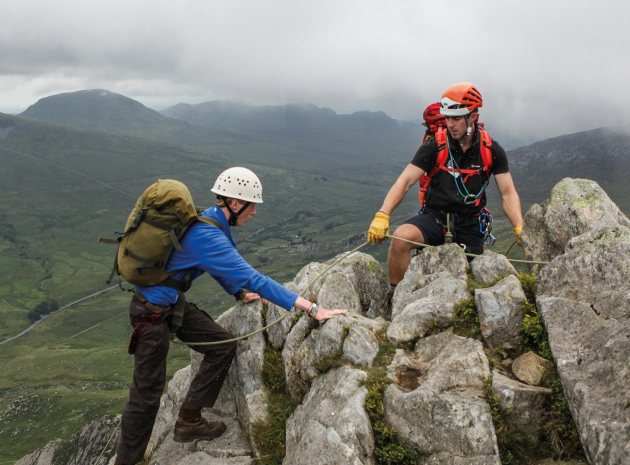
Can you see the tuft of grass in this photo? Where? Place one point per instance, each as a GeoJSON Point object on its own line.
{"type": "Point", "coordinates": [514, 447]}
{"type": "Point", "coordinates": [386, 349]}
{"type": "Point", "coordinates": [560, 432]}
{"type": "Point", "coordinates": [534, 331]}
{"type": "Point", "coordinates": [270, 435]}
{"type": "Point", "coordinates": [472, 284]}
{"type": "Point", "coordinates": [529, 285]}
{"type": "Point", "coordinates": [389, 450]}
{"type": "Point", "coordinates": [466, 319]}
{"type": "Point", "coordinates": [328, 362]}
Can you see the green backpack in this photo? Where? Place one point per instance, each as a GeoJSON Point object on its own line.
{"type": "Point", "coordinates": [155, 227]}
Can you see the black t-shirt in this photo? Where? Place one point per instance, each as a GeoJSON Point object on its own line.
{"type": "Point", "coordinates": [446, 192]}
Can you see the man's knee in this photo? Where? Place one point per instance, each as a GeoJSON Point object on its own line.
{"type": "Point", "coordinates": [408, 234]}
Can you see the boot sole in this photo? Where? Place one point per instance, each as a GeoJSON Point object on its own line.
{"type": "Point", "coordinates": [182, 438]}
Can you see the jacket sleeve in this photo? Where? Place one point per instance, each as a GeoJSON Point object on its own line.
{"type": "Point", "coordinates": [215, 254]}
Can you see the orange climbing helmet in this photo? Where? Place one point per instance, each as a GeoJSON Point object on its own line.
{"type": "Point", "coordinates": [460, 99]}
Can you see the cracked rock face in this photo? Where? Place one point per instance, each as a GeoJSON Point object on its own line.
{"type": "Point", "coordinates": [501, 311]}
{"type": "Point", "coordinates": [331, 426]}
{"type": "Point", "coordinates": [350, 337]}
{"type": "Point", "coordinates": [491, 267]}
{"type": "Point", "coordinates": [446, 417]}
{"type": "Point", "coordinates": [576, 206]}
{"type": "Point", "coordinates": [424, 301]}
{"type": "Point", "coordinates": [525, 405]}
{"type": "Point", "coordinates": [357, 283]}
{"type": "Point", "coordinates": [584, 298]}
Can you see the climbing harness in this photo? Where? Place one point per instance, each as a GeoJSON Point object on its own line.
{"type": "Point", "coordinates": [448, 235]}
{"type": "Point", "coordinates": [485, 227]}
{"type": "Point", "coordinates": [460, 181]}
{"type": "Point", "coordinates": [444, 154]}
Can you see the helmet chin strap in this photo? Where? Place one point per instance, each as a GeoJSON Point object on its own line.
{"type": "Point", "coordinates": [234, 215]}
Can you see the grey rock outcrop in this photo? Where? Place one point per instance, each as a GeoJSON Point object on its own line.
{"type": "Point", "coordinates": [525, 405]}
{"type": "Point", "coordinates": [501, 311]}
{"type": "Point", "coordinates": [343, 337]}
{"type": "Point", "coordinates": [584, 297]}
{"type": "Point", "coordinates": [428, 265]}
{"type": "Point", "coordinates": [95, 443]}
{"type": "Point", "coordinates": [357, 283]}
{"type": "Point", "coordinates": [233, 447]}
{"type": "Point", "coordinates": [277, 334]}
{"type": "Point", "coordinates": [424, 301]}
{"type": "Point", "coordinates": [490, 267]}
{"type": "Point", "coordinates": [331, 426]}
{"type": "Point", "coordinates": [574, 207]}
{"type": "Point", "coordinates": [446, 417]}
{"type": "Point", "coordinates": [245, 378]}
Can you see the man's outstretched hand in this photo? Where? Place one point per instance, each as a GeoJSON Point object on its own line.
{"type": "Point", "coordinates": [326, 314]}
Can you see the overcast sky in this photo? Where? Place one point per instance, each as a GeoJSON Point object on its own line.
{"type": "Point", "coordinates": [544, 67]}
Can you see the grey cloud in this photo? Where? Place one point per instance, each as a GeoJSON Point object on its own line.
{"type": "Point", "coordinates": [543, 67]}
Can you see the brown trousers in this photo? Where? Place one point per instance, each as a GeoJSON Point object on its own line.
{"type": "Point", "coordinates": [149, 374]}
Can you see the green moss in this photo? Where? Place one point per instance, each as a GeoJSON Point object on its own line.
{"type": "Point", "coordinates": [389, 450]}
{"type": "Point", "coordinates": [560, 432]}
{"type": "Point", "coordinates": [514, 447]}
{"type": "Point", "coordinates": [466, 319]}
{"type": "Point", "coordinates": [374, 267]}
{"type": "Point", "coordinates": [269, 436]}
{"type": "Point", "coordinates": [529, 285]}
{"type": "Point", "coordinates": [386, 349]}
{"type": "Point", "coordinates": [472, 284]}
{"type": "Point", "coordinates": [296, 317]}
{"type": "Point", "coordinates": [534, 331]}
{"type": "Point", "coordinates": [328, 362]}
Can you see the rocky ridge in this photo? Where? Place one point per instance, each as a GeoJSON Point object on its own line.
{"type": "Point", "coordinates": [448, 397]}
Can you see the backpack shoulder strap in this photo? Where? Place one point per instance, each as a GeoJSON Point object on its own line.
{"type": "Point", "coordinates": [440, 162]}
{"type": "Point", "coordinates": [208, 220]}
{"type": "Point", "coordinates": [485, 147]}
{"type": "Point", "coordinates": [442, 150]}
{"type": "Point", "coordinates": [183, 286]}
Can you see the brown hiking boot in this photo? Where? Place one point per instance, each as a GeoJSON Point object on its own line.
{"type": "Point", "coordinates": [186, 431]}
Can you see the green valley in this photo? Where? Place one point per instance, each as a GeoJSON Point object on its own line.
{"type": "Point", "coordinates": [70, 177]}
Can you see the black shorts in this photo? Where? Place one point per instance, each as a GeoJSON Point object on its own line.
{"type": "Point", "coordinates": [465, 229]}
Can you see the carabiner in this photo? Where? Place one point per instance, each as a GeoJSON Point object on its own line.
{"type": "Point", "coordinates": [470, 199]}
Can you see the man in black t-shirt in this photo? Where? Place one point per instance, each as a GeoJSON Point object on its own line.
{"type": "Point", "coordinates": [455, 191]}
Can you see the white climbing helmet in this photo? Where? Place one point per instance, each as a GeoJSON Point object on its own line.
{"type": "Point", "coordinates": [239, 183]}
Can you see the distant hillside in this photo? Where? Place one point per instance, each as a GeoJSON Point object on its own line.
{"type": "Point", "coordinates": [106, 111]}
{"type": "Point", "coordinates": [602, 155]}
{"type": "Point", "coordinates": [73, 176]}
{"type": "Point", "coordinates": [94, 109]}
{"type": "Point", "coordinates": [286, 119]}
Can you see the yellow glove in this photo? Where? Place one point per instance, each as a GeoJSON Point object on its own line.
{"type": "Point", "coordinates": [518, 231]}
{"type": "Point", "coordinates": [378, 228]}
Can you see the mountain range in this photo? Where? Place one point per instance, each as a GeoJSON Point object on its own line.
{"type": "Point", "coordinates": [73, 165]}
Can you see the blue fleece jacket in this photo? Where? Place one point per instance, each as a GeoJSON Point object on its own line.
{"type": "Point", "coordinates": [206, 248]}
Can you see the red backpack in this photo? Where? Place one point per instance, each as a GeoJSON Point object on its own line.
{"type": "Point", "coordinates": [442, 156]}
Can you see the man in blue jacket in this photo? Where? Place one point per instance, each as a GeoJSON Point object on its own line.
{"type": "Point", "coordinates": [204, 249]}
